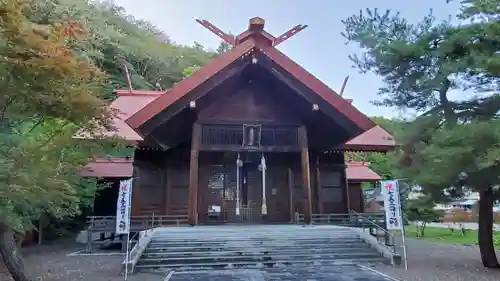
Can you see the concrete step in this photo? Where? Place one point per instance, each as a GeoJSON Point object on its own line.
{"type": "Point", "coordinates": [272, 247]}
{"type": "Point", "coordinates": [199, 248]}
{"type": "Point", "coordinates": [243, 242]}
{"type": "Point", "coordinates": [256, 258]}
{"type": "Point", "coordinates": [267, 251]}
{"type": "Point", "coordinates": [276, 263]}
{"type": "Point", "coordinates": [199, 232]}
{"type": "Point", "coordinates": [189, 236]}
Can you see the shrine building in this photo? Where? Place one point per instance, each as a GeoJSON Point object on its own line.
{"type": "Point", "coordinates": [251, 137]}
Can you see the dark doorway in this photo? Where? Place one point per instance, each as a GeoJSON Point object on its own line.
{"type": "Point", "coordinates": [106, 198]}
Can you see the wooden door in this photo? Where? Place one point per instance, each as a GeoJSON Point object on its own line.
{"type": "Point", "coordinates": [277, 195]}
{"type": "Point", "coordinates": [253, 182]}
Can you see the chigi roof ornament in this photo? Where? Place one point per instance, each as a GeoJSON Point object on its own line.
{"type": "Point", "coordinates": [255, 28]}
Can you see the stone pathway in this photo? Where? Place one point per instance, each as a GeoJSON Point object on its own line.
{"type": "Point", "coordinates": [329, 273]}
{"type": "Point", "coordinates": [442, 262]}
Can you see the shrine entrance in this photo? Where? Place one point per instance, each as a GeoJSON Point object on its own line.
{"type": "Point", "coordinates": [251, 188]}
{"type": "Point", "coordinates": [236, 193]}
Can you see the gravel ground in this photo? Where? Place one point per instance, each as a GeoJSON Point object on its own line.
{"type": "Point", "coordinates": [50, 263]}
{"type": "Point", "coordinates": [427, 262]}
{"type": "Point", "coordinates": [442, 262]}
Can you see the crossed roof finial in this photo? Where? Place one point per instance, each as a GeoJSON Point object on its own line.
{"type": "Point", "coordinates": [256, 26]}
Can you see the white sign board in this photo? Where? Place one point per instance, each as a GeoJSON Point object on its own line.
{"type": "Point", "coordinates": [392, 205]}
{"type": "Point", "coordinates": [123, 207]}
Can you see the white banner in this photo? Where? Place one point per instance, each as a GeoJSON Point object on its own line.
{"type": "Point", "coordinates": [123, 207]}
{"type": "Point", "coordinates": [392, 205]}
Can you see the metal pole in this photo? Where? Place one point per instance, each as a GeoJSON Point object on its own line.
{"type": "Point", "coordinates": [405, 257]}
{"type": "Point", "coordinates": [263, 166]}
{"type": "Point", "coordinates": [127, 254]}
{"type": "Point", "coordinates": [238, 185]}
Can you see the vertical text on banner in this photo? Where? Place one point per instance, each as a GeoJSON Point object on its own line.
{"type": "Point", "coordinates": [392, 204]}
{"type": "Point", "coordinates": [123, 207]}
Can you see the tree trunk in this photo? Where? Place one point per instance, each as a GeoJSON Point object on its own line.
{"type": "Point", "coordinates": [11, 254]}
{"type": "Point", "coordinates": [485, 233]}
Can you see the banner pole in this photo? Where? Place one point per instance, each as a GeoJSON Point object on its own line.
{"type": "Point", "coordinates": [405, 257]}
{"type": "Point", "coordinates": [393, 213]}
{"type": "Point", "coordinates": [127, 254]}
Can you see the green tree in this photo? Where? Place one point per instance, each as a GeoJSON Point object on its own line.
{"type": "Point", "coordinates": [224, 47]}
{"type": "Point", "coordinates": [115, 39]}
{"type": "Point", "coordinates": [48, 93]}
{"type": "Point", "coordinates": [453, 144]}
{"type": "Point", "coordinates": [190, 70]}
{"type": "Point", "coordinates": [422, 211]}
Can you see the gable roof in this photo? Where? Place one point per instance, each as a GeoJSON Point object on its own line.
{"type": "Point", "coordinates": [125, 106]}
{"type": "Point", "coordinates": [128, 103]}
{"type": "Point", "coordinates": [190, 83]}
{"type": "Point", "coordinates": [375, 139]}
{"type": "Point", "coordinates": [356, 171]}
{"type": "Point", "coordinates": [253, 43]}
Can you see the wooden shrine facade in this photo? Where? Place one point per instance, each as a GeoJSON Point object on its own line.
{"type": "Point", "coordinates": [251, 134]}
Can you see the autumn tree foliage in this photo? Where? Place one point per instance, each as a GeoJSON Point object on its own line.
{"type": "Point", "coordinates": [48, 93]}
{"type": "Point", "coordinates": [450, 74]}
{"type": "Point", "coordinates": [114, 39]}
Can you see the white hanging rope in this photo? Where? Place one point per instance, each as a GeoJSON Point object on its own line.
{"type": "Point", "coordinates": [263, 168]}
{"type": "Point", "coordinates": [238, 165]}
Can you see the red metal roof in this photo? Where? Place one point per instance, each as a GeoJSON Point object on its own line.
{"type": "Point", "coordinates": [321, 89]}
{"type": "Point", "coordinates": [375, 139]}
{"type": "Point", "coordinates": [190, 83]}
{"type": "Point", "coordinates": [119, 167]}
{"type": "Point", "coordinates": [126, 105]}
{"type": "Point", "coordinates": [239, 50]}
{"type": "Point", "coordinates": [356, 171]}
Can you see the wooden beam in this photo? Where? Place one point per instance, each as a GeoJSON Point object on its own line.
{"type": "Point", "coordinates": [318, 186]}
{"type": "Point", "coordinates": [306, 172]}
{"type": "Point", "coordinates": [194, 175]}
{"type": "Point", "coordinates": [290, 194]}
{"type": "Point", "coordinates": [287, 35]}
{"type": "Point", "coordinates": [346, 190]}
{"type": "Point", "coordinates": [168, 191]}
{"type": "Point", "coordinates": [341, 93]}
{"type": "Point", "coordinates": [228, 38]}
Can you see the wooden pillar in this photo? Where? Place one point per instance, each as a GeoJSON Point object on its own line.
{"type": "Point", "coordinates": [194, 174]}
{"type": "Point", "coordinates": [290, 194]}
{"type": "Point", "coordinates": [136, 190]}
{"type": "Point", "coordinates": [361, 199]}
{"type": "Point", "coordinates": [168, 191]}
{"type": "Point", "coordinates": [306, 174]}
{"type": "Point", "coordinates": [347, 206]}
{"type": "Point", "coordinates": [318, 186]}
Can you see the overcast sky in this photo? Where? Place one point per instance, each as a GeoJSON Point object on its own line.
{"type": "Point", "coordinates": [320, 48]}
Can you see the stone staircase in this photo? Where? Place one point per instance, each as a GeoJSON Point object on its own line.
{"type": "Point", "coordinates": [253, 246]}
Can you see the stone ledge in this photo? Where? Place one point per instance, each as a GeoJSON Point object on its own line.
{"type": "Point", "coordinates": [145, 238]}
{"type": "Point", "coordinates": [385, 251]}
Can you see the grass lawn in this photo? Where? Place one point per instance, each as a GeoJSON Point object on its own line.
{"type": "Point", "coordinates": [444, 235]}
